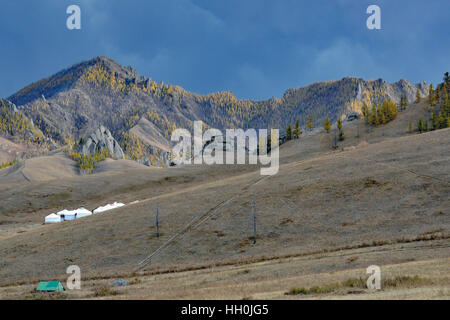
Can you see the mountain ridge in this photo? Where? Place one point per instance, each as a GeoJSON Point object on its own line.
{"type": "Point", "coordinates": [76, 101]}
{"type": "Point", "coordinates": [129, 72]}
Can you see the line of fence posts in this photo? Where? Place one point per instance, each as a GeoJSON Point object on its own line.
{"type": "Point", "coordinates": [253, 211]}
{"type": "Point", "coordinates": [254, 220]}
{"type": "Point", "coordinates": [157, 219]}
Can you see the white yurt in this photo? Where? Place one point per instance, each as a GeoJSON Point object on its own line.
{"type": "Point", "coordinates": [82, 212]}
{"type": "Point", "coordinates": [52, 218]}
{"type": "Point", "coordinates": [109, 207]}
{"type": "Point", "coordinates": [67, 215]}
{"type": "Point", "coordinates": [70, 215]}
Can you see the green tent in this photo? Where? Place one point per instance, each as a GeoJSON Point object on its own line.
{"type": "Point", "coordinates": [50, 286]}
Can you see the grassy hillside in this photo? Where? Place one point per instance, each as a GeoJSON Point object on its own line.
{"type": "Point", "coordinates": [382, 187]}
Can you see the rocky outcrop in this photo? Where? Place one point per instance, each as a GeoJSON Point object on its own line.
{"type": "Point", "coordinates": [159, 160]}
{"type": "Point", "coordinates": [353, 116]}
{"type": "Point", "coordinates": [403, 86]}
{"type": "Point", "coordinates": [100, 140]}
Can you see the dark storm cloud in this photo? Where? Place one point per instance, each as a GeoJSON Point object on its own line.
{"type": "Point", "coordinates": [255, 48]}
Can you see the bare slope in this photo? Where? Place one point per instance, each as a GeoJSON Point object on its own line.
{"type": "Point", "coordinates": [39, 169]}
{"type": "Point", "coordinates": [10, 150]}
{"type": "Point", "coordinates": [150, 134]}
{"type": "Point", "coordinates": [388, 191]}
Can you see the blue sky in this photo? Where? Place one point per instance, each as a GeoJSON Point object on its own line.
{"type": "Point", "coordinates": [254, 48]}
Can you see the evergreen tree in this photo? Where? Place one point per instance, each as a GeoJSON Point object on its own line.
{"type": "Point", "coordinates": [418, 95]}
{"type": "Point", "coordinates": [420, 125]}
{"type": "Point", "coordinates": [445, 93]}
{"type": "Point", "coordinates": [310, 123]}
{"type": "Point", "coordinates": [377, 116]}
{"type": "Point", "coordinates": [442, 121]}
{"type": "Point", "coordinates": [388, 110]}
{"type": "Point", "coordinates": [405, 101]}
{"type": "Point", "coordinates": [373, 115]}
{"type": "Point", "coordinates": [297, 129]}
{"type": "Point", "coordinates": [433, 101]}
{"type": "Point", "coordinates": [289, 132]}
{"type": "Point", "coordinates": [382, 118]}
{"type": "Point", "coordinates": [430, 94]}
{"type": "Point", "coordinates": [327, 125]}
{"type": "Point", "coordinates": [434, 122]}
{"type": "Point", "coordinates": [341, 132]}
{"type": "Point", "coordinates": [365, 111]}
{"type": "Point", "coordinates": [437, 95]}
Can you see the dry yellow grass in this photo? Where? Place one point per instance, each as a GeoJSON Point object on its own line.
{"type": "Point", "coordinates": [388, 190]}
{"type": "Point", "coordinates": [272, 279]}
